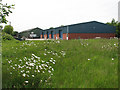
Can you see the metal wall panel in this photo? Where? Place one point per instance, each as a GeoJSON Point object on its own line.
{"type": "Point", "coordinates": [91, 27]}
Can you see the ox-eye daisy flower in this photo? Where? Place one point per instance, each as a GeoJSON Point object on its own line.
{"type": "Point", "coordinates": [89, 59]}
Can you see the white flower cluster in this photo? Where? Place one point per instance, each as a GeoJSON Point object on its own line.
{"type": "Point", "coordinates": [52, 41]}
{"type": "Point", "coordinates": [61, 53]}
{"type": "Point", "coordinates": [28, 43]}
{"type": "Point", "coordinates": [31, 67]}
{"type": "Point", "coordinates": [110, 46]}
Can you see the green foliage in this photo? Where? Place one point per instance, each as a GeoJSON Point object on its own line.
{"type": "Point", "coordinates": [113, 23]}
{"type": "Point", "coordinates": [117, 25]}
{"type": "Point", "coordinates": [5, 10]}
{"type": "Point", "coordinates": [6, 36]}
{"type": "Point", "coordinates": [118, 30]}
{"type": "Point", "coordinates": [8, 29]}
{"type": "Point", "coordinates": [51, 27]}
{"type": "Point", "coordinates": [15, 33]}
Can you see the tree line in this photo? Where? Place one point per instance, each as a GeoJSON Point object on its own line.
{"type": "Point", "coordinates": [117, 25]}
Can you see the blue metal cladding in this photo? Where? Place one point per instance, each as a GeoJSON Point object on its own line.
{"type": "Point", "coordinates": [91, 27]}
{"type": "Point", "coordinates": [56, 30]}
{"type": "Point", "coordinates": [88, 27]}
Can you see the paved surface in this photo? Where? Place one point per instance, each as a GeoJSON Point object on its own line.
{"type": "Point", "coordinates": [38, 39]}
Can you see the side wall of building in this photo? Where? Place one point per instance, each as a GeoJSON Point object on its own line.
{"type": "Point", "coordinates": [90, 35]}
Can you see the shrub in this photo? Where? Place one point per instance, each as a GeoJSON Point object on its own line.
{"type": "Point", "coordinates": [8, 29]}
{"type": "Point", "coordinates": [6, 36]}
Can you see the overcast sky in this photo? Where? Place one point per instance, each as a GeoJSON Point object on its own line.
{"type": "Point", "coordinates": [53, 13]}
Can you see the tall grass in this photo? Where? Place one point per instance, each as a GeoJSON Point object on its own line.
{"type": "Point", "coordinates": [78, 63]}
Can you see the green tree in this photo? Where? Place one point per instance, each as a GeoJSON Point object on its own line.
{"type": "Point", "coordinates": [5, 10]}
{"type": "Point", "coordinates": [113, 22]}
{"type": "Point", "coordinates": [118, 30]}
{"type": "Point", "coordinates": [15, 33]}
{"type": "Point", "coordinates": [117, 25]}
{"type": "Point", "coordinates": [8, 29]}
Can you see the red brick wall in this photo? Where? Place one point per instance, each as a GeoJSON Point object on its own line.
{"type": "Point", "coordinates": [90, 35]}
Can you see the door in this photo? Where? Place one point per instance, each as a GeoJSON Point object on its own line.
{"type": "Point", "coordinates": [47, 34]}
{"type": "Point", "coordinates": [42, 34]}
{"type": "Point", "coordinates": [52, 34]}
{"type": "Point", "coordinates": [60, 34]}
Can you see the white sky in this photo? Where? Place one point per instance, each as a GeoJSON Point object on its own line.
{"type": "Point", "coordinates": [53, 13]}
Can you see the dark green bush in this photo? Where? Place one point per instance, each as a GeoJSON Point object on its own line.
{"type": "Point", "coordinates": [6, 36]}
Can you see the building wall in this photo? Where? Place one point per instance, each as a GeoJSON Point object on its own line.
{"type": "Point", "coordinates": [89, 35]}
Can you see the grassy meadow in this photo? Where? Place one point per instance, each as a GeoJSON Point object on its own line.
{"type": "Point", "coordinates": [91, 63]}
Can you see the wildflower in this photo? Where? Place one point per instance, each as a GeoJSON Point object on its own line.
{"type": "Point", "coordinates": [27, 75]}
{"type": "Point", "coordinates": [43, 61]}
{"type": "Point", "coordinates": [27, 63]}
{"type": "Point", "coordinates": [34, 61]}
{"type": "Point", "coordinates": [26, 81]}
{"type": "Point", "coordinates": [47, 62]}
{"type": "Point", "coordinates": [29, 67]}
{"type": "Point", "coordinates": [45, 54]}
{"type": "Point", "coordinates": [43, 72]}
{"type": "Point", "coordinates": [53, 62]}
{"type": "Point", "coordinates": [22, 71]}
{"type": "Point", "coordinates": [33, 76]}
{"type": "Point", "coordinates": [45, 80]}
{"type": "Point", "coordinates": [89, 59]}
{"type": "Point", "coordinates": [112, 58]}
{"type": "Point", "coordinates": [114, 44]}
{"type": "Point", "coordinates": [49, 71]}
{"type": "Point", "coordinates": [24, 75]}
{"type": "Point", "coordinates": [27, 71]}
{"type": "Point", "coordinates": [31, 64]}
{"type": "Point", "coordinates": [50, 60]}
{"type": "Point", "coordinates": [38, 70]}
{"type": "Point", "coordinates": [52, 69]}
{"type": "Point", "coordinates": [20, 60]}
{"type": "Point", "coordinates": [33, 54]}
{"type": "Point", "coordinates": [36, 67]}
{"type": "Point", "coordinates": [13, 67]}
{"type": "Point", "coordinates": [46, 65]}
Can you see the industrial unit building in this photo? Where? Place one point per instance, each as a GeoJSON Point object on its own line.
{"type": "Point", "coordinates": [85, 30]}
{"type": "Point", "coordinates": [31, 33]}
